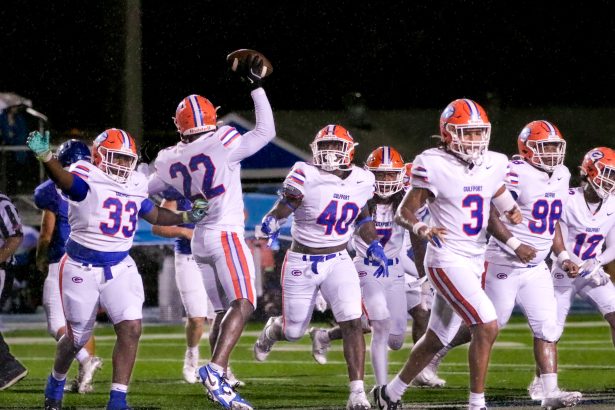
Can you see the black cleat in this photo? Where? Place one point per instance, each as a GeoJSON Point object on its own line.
{"type": "Point", "coordinates": [10, 373]}
{"type": "Point", "coordinates": [381, 399]}
{"type": "Point", "coordinates": [51, 404]}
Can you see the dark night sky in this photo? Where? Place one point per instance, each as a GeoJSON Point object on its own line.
{"type": "Point", "coordinates": [67, 56]}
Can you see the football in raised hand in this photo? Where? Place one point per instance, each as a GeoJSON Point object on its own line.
{"type": "Point", "coordinates": [236, 58]}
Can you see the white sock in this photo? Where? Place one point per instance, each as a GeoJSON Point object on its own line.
{"type": "Point", "coordinates": [549, 383]}
{"type": "Point", "coordinates": [268, 331]}
{"type": "Point", "coordinates": [82, 356]}
{"type": "Point", "coordinates": [356, 386]}
{"type": "Point", "coordinates": [58, 376]}
{"type": "Point", "coordinates": [396, 388]}
{"type": "Point", "coordinates": [378, 350]}
{"type": "Point", "coordinates": [193, 351]}
{"type": "Point", "coordinates": [119, 387]}
{"type": "Point", "coordinates": [477, 399]}
{"type": "Point", "coordinates": [217, 368]}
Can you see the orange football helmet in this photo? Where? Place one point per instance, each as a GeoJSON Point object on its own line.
{"type": "Point", "coordinates": [333, 148]}
{"type": "Point", "coordinates": [542, 145]}
{"type": "Point", "coordinates": [599, 168]}
{"type": "Point", "coordinates": [408, 175]}
{"type": "Point", "coordinates": [458, 123]}
{"type": "Point", "coordinates": [389, 168]}
{"type": "Point", "coordinates": [195, 114]}
{"type": "Point", "coordinates": [115, 152]}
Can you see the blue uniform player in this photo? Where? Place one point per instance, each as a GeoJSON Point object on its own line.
{"type": "Point", "coordinates": [50, 249]}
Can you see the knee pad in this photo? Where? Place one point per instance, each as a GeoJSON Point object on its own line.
{"type": "Point", "coordinates": [79, 336]}
{"type": "Point", "coordinates": [396, 342]}
{"type": "Point", "coordinates": [550, 332]}
{"type": "Point", "coordinates": [293, 331]}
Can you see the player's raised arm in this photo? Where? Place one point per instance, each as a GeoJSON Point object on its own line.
{"type": "Point", "coordinates": [74, 187]}
{"type": "Point", "coordinates": [250, 69]}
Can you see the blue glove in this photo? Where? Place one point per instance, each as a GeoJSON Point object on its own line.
{"type": "Point", "coordinates": [375, 252]}
{"type": "Point", "coordinates": [198, 211]}
{"type": "Point", "coordinates": [270, 228]}
{"type": "Point", "coordinates": [39, 144]}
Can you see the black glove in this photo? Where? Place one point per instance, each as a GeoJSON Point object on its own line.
{"type": "Point", "coordinates": [250, 71]}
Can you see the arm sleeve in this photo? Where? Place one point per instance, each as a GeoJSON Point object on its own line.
{"type": "Point", "coordinates": [608, 255]}
{"type": "Point", "coordinates": [295, 180]}
{"type": "Point", "coordinates": [78, 190]}
{"type": "Point", "coordinates": [146, 207]}
{"type": "Point", "coordinates": [420, 176]}
{"type": "Point", "coordinates": [254, 140]}
{"type": "Point", "coordinates": [10, 222]}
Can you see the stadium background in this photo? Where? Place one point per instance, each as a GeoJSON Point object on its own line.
{"type": "Point", "coordinates": [383, 70]}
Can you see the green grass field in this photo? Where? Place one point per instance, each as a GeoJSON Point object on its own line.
{"type": "Point", "coordinates": [291, 379]}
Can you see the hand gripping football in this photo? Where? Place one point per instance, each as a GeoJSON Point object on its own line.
{"type": "Point", "coordinates": [236, 58]}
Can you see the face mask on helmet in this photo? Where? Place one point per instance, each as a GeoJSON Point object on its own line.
{"type": "Point", "coordinates": [115, 153]}
{"type": "Point", "coordinates": [541, 144]}
{"type": "Point", "coordinates": [333, 148]}
{"type": "Point", "coordinates": [466, 130]}
{"type": "Point", "coordinates": [599, 169]}
{"type": "Point", "coordinates": [389, 169]}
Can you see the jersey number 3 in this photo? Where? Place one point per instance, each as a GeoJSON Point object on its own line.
{"type": "Point", "coordinates": [207, 189]}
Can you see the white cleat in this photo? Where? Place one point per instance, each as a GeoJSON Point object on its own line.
{"type": "Point", "coordinates": [358, 401]}
{"type": "Point", "coordinates": [263, 344]}
{"type": "Point", "coordinates": [428, 378]}
{"type": "Point", "coordinates": [86, 374]}
{"type": "Point", "coordinates": [560, 399]}
{"type": "Point", "coordinates": [233, 381]}
{"type": "Point", "coordinates": [535, 389]}
{"type": "Point", "coordinates": [319, 346]}
{"type": "Point", "coordinates": [191, 366]}
{"type": "Point", "coordinates": [470, 407]}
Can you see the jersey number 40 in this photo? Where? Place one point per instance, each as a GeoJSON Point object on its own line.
{"type": "Point", "coordinates": [330, 219]}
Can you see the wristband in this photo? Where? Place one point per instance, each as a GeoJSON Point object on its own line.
{"type": "Point", "coordinates": [513, 243]}
{"type": "Point", "coordinates": [185, 217]}
{"type": "Point", "coordinates": [45, 156]}
{"type": "Point", "coordinates": [563, 255]}
{"type": "Point", "coordinates": [417, 227]}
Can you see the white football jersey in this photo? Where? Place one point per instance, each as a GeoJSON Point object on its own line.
{"type": "Point", "coordinates": [106, 219]}
{"type": "Point", "coordinates": [541, 199]}
{"type": "Point", "coordinates": [585, 231]}
{"type": "Point", "coordinates": [390, 234]}
{"type": "Point", "coordinates": [330, 204]}
{"type": "Point", "coordinates": [203, 168]}
{"type": "Point", "coordinates": [462, 199]}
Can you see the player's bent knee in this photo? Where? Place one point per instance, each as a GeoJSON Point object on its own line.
{"type": "Point", "coordinates": [293, 333]}
{"type": "Point", "coordinates": [548, 332]}
{"type": "Point", "coordinates": [79, 337]}
{"type": "Point", "coordinates": [396, 342]}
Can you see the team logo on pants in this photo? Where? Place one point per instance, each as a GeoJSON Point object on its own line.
{"type": "Point", "coordinates": [77, 279]}
{"type": "Point", "coordinates": [296, 272]}
{"type": "Point", "coordinates": [501, 276]}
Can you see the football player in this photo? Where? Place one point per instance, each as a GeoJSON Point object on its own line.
{"type": "Point", "coordinates": [206, 164]}
{"type": "Point", "coordinates": [459, 181]}
{"type": "Point", "coordinates": [587, 225]}
{"type": "Point", "coordinates": [105, 198]}
{"type": "Point", "coordinates": [539, 181]}
{"type": "Point", "coordinates": [191, 286]}
{"type": "Point", "coordinates": [50, 249]}
{"type": "Point", "coordinates": [327, 198]}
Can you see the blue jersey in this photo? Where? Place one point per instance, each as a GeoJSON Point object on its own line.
{"type": "Point", "coordinates": [46, 197]}
{"type": "Point", "coordinates": [182, 245]}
